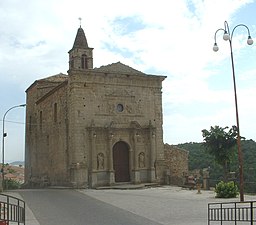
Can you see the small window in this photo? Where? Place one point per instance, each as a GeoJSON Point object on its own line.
{"type": "Point", "coordinates": [47, 140]}
{"type": "Point", "coordinates": [41, 120]}
{"type": "Point", "coordinates": [55, 115]}
{"type": "Point", "coordinates": [30, 123]}
{"type": "Point", "coordinates": [84, 62]}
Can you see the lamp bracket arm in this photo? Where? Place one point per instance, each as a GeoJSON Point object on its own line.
{"type": "Point", "coordinates": [216, 34]}
{"type": "Point", "coordinates": [240, 25]}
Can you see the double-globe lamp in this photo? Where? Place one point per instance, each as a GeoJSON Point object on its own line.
{"type": "Point", "coordinates": [227, 36]}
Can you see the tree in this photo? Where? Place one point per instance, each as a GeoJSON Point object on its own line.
{"type": "Point", "coordinates": [220, 143]}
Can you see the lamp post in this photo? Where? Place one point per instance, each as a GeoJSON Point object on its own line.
{"type": "Point", "coordinates": [227, 36]}
{"type": "Point", "coordinates": [4, 135]}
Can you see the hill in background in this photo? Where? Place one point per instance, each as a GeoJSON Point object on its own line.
{"type": "Point", "coordinates": [17, 163]}
{"type": "Point", "coordinates": [200, 159]}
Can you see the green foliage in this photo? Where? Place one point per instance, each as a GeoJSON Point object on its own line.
{"type": "Point", "coordinates": [226, 190]}
{"type": "Point", "coordinates": [199, 159]}
{"type": "Point", "coordinates": [220, 144]}
{"type": "Point", "coordinates": [11, 170]}
{"type": "Point", "coordinates": [11, 184]}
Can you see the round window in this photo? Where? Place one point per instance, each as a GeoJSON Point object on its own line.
{"type": "Point", "coordinates": [120, 108]}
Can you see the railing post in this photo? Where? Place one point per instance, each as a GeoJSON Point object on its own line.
{"type": "Point", "coordinates": [221, 213]}
{"type": "Point", "coordinates": [24, 214]}
{"type": "Point", "coordinates": [18, 213]}
{"type": "Point", "coordinates": [251, 213]}
{"type": "Point", "coordinates": [8, 205]}
{"type": "Point", "coordinates": [208, 217]}
{"type": "Point", "coordinates": [235, 213]}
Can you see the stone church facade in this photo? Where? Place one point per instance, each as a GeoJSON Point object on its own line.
{"type": "Point", "coordinates": [95, 126]}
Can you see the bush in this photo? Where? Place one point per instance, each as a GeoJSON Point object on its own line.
{"type": "Point", "coordinates": [226, 190]}
{"type": "Point", "coordinates": [11, 184]}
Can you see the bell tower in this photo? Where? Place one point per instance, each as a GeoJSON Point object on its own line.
{"type": "Point", "coordinates": [80, 56]}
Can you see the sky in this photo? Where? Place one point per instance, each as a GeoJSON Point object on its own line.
{"type": "Point", "coordinates": [170, 38]}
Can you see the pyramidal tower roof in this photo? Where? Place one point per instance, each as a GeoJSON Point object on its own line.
{"type": "Point", "coordinates": [80, 40]}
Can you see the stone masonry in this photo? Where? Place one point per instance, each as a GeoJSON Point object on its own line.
{"type": "Point", "coordinates": [176, 164]}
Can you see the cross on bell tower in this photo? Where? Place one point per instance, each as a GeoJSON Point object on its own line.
{"type": "Point", "coordinates": [80, 19]}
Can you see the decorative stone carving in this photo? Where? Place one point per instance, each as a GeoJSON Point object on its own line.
{"type": "Point", "coordinates": [142, 160]}
{"type": "Point", "coordinates": [119, 93]}
{"type": "Point", "coordinates": [100, 161]}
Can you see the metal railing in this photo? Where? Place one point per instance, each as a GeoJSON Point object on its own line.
{"type": "Point", "coordinates": [235, 212]}
{"type": "Point", "coordinates": [11, 210]}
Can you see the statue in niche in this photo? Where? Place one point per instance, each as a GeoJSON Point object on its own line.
{"type": "Point", "coordinates": [142, 160]}
{"type": "Point", "coordinates": [100, 161]}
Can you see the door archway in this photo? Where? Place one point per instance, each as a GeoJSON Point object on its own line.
{"type": "Point", "coordinates": [121, 162]}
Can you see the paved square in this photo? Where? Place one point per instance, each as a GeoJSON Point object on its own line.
{"type": "Point", "coordinates": [167, 205]}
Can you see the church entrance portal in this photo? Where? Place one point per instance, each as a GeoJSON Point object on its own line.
{"type": "Point", "coordinates": [121, 162]}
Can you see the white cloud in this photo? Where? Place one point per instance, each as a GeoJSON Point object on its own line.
{"type": "Point", "coordinates": [175, 39]}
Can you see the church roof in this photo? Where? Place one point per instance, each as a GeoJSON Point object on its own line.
{"type": "Point", "coordinates": [118, 67]}
{"type": "Point", "coordinates": [80, 40]}
{"type": "Point", "coordinates": [56, 78]}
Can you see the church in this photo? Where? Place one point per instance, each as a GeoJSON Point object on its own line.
{"type": "Point", "coordinates": [94, 126]}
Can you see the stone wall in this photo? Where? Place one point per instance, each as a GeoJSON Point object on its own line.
{"type": "Point", "coordinates": [176, 160]}
{"type": "Point", "coordinates": [46, 133]}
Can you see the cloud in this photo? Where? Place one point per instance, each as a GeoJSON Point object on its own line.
{"type": "Point", "coordinates": [162, 37]}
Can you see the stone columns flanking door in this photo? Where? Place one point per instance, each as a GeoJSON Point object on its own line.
{"type": "Point", "coordinates": [110, 159]}
{"type": "Point", "coordinates": [135, 157]}
{"type": "Point", "coordinates": [92, 165]}
{"type": "Point", "coordinates": [152, 137]}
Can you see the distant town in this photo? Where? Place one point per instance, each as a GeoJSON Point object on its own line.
{"type": "Point", "coordinates": [14, 171]}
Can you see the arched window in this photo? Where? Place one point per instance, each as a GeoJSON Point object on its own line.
{"type": "Point", "coordinates": [55, 112]}
{"type": "Point", "coordinates": [84, 64]}
{"type": "Point", "coordinates": [41, 120]}
{"type": "Point", "coordinates": [30, 123]}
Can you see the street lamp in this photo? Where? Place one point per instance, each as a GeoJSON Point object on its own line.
{"type": "Point", "coordinates": [4, 135]}
{"type": "Point", "coordinates": [227, 36]}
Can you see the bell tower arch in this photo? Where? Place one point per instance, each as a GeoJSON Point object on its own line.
{"type": "Point", "coordinates": [80, 56]}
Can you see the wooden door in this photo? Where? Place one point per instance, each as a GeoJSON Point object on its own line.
{"type": "Point", "coordinates": [121, 162]}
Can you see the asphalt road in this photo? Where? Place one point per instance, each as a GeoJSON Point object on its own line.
{"type": "Point", "coordinates": [166, 205]}
{"type": "Point", "coordinates": [60, 207]}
